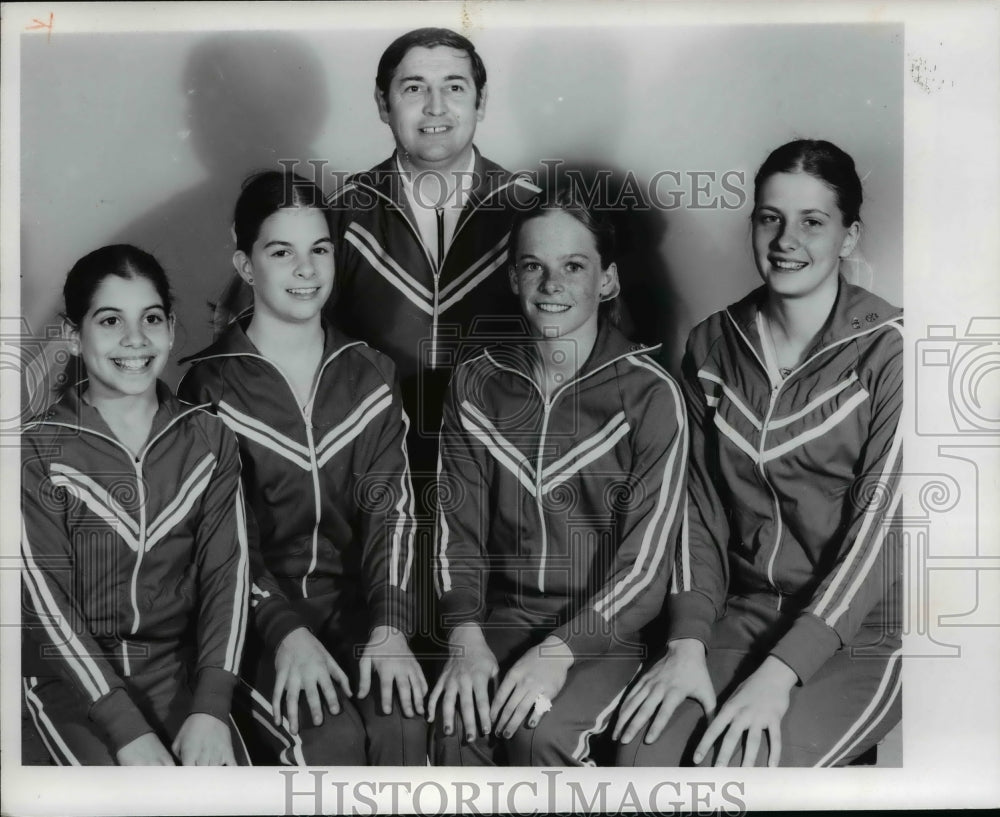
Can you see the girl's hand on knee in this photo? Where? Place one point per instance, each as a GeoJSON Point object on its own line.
{"type": "Point", "coordinates": [204, 740]}
{"type": "Point", "coordinates": [757, 705]}
{"type": "Point", "coordinates": [540, 671]}
{"type": "Point", "coordinates": [388, 654]}
{"type": "Point", "coordinates": [302, 664]}
{"type": "Point", "coordinates": [680, 674]}
{"type": "Point", "coordinates": [465, 679]}
{"type": "Point", "coordinates": [145, 750]}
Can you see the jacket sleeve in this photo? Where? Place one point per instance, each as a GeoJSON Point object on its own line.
{"type": "Point", "coordinates": [221, 557]}
{"type": "Point", "coordinates": [273, 615]}
{"type": "Point", "coordinates": [701, 570]}
{"type": "Point", "coordinates": [56, 630]}
{"type": "Point", "coordinates": [386, 511]}
{"type": "Point", "coordinates": [648, 526]}
{"type": "Point", "coordinates": [461, 563]}
{"type": "Point", "coordinates": [864, 565]}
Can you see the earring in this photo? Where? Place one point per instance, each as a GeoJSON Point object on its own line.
{"type": "Point", "coordinates": [250, 280]}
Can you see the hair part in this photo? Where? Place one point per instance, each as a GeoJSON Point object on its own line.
{"type": "Point", "coordinates": [822, 160]}
{"type": "Point", "coordinates": [121, 260]}
{"type": "Point", "coordinates": [265, 193]}
{"type": "Point", "coordinates": [427, 38]}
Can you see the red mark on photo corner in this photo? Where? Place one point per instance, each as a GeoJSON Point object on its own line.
{"type": "Point", "coordinates": [38, 25]}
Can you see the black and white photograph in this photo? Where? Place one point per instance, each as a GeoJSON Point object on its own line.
{"type": "Point", "coordinates": [499, 407]}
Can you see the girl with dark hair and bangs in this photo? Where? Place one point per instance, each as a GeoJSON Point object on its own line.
{"type": "Point", "coordinates": [559, 503]}
{"type": "Point", "coordinates": [135, 576]}
{"type": "Point", "coordinates": [786, 604]}
{"type": "Point", "coordinates": [322, 439]}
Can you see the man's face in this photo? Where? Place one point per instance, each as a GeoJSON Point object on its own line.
{"type": "Point", "coordinates": [431, 108]}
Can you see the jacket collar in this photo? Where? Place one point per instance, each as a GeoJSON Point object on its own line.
{"type": "Point", "coordinates": [384, 179]}
{"type": "Point", "coordinates": [234, 342]}
{"type": "Point", "coordinates": [610, 345]}
{"type": "Point", "coordinates": [72, 411]}
{"type": "Point", "coordinates": [856, 312]}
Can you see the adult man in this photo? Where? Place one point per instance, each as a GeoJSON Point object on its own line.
{"type": "Point", "coordinates": [422, 237]}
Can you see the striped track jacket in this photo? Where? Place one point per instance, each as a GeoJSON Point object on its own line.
{"type": "Point", "coordinates": [392, 296]}
{"type": "Point", "coordinates": [328, 484]}
{"type": "Point", "coordinates": [124, 558]}
{"type": "Point", "coordinates": [568, 507]}
{"type": "Point", "coordinates": [792, 489]}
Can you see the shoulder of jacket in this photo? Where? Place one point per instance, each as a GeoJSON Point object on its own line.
{"type": "Point", "coordinates": [367, 359]}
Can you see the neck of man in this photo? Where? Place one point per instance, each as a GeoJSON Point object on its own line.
{"type": "Point", "coordinates": [430, 175]}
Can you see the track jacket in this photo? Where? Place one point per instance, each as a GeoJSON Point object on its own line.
{"type": "Point", "coordinates": [567, 507]}
{"type": "Point", "coordinates": [126, 559]}
{"type": "Point", "coordinates": [392, 295]}
{"type": "Point", "coordinates": [792, 488]}
{"type": "Point", "coordinates": [328, 484]}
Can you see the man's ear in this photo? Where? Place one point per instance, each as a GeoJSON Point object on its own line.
{"type": "Point", "coordinates": [382, 105]}
{"type": "Point", "coordinates": [481, 107]}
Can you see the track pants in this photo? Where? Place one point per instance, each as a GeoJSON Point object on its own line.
{"type": "Point", "coordinates": [59, 714]}
{"type": "Point", "coordinates": [359, 735]}
{"type": "Point", "coordinates": [581, 711]}
{"type": "Point", "coordinates": [847, 707]}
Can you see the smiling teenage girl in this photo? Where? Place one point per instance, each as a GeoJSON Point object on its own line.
{"type": "Point", "coordinates": [786, 601]}
{"type": "Point", "coordinates": [561, 486]}
{"type": "Point", "coordinates": [322, 439]}
{"type": "Point", "coordinates": [134, 545]}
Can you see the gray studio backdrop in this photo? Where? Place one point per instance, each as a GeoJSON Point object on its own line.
{"type": "Point", "coordinates": [146, 137]}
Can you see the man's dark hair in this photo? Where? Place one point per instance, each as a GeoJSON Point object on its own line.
{"type": "Point", "coordinates": [428, 38]}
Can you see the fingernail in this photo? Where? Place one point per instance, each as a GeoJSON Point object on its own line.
{"type": "Point", "coordinates": [506, 734]}
{"type": "Point", "coordinates": [697, 758]}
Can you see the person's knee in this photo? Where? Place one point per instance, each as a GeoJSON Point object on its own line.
{"type": "Point", "coordinates": [395, 740]}
{"type": "Point", "coordinates": [549, 743]}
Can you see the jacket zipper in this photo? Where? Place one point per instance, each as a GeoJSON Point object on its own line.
{"type": "Point", "coordinates": [436, 269]}
{"type": "Point", "coordinates": [310, 442]}
{"type": "Point", "coordinates": [137, 463]}
{"type": "Point", "coordinates": [773, 399]}
{"type": "Point", "coordinates": [547, 404]}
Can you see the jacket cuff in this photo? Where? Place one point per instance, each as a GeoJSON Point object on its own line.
{"type": "Point", "coordinates": [587, 634]}
{"type": "Point", "coordinates": [274, 620]}
{"type": "Point", "coordinates": [213, 693]}
{"type": "Point", "coordinates": [807, 646]}
{"type": "Point", "coordinates": [459, 606]}
{"type": "Point", "coordinates": [690, 615]}
{"type": "Point", "coordinates": [118, 715]}
{"type": "Point", "coordinates": [393, 609]}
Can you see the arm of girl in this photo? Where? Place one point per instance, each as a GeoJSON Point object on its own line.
{"type": "Point", "coordinates": [55, 626]}
{"type": "Point", "coordinates": [221, 561]}
{"type": "Point", "coordinates": [700, 578]}
{"type": "Point", "coordinates": [461, 572]}
{"type": "Point", "coordinates": [388, 530]}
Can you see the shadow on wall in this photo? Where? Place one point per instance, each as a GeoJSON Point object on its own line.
{"type": "Point", "coordinates": [573, 121]}
{"type": "Point", "coordinates": [253, 98]}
